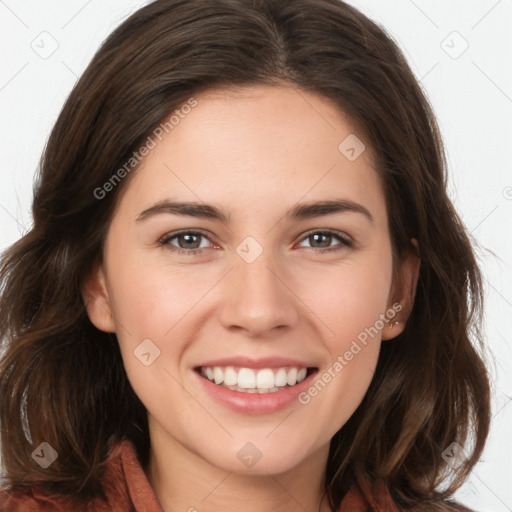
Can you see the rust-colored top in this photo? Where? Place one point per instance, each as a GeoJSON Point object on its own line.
{"type": "Point", "coordinates": [127, 489]}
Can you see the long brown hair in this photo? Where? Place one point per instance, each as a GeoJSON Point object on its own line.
{"type": "Point", "coordinates": [63, 381]}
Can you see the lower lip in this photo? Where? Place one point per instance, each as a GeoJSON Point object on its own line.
{"type": "Point", "coordinates": [255, 403]}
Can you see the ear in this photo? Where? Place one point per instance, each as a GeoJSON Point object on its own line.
{"type": "Point", "coordinates": [97, 300]}
{"type": "Point", "coordinates": [403, 292]}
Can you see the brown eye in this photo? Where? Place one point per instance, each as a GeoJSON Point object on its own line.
{"type": "Point", "coordinates": [188, 242]}
{"type": "Point", "coordinates": [322, 240]}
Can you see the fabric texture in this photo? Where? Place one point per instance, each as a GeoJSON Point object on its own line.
{"type": "Point", "coordinates": [127, 489]}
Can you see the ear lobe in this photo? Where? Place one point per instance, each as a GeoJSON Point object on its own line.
{"type": "Point", "coordinates": [97, 300]}
{"type": "Point", "coordinates": [404, 292]}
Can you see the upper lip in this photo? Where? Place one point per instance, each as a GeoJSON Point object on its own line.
{"type": "Point", "coordinates": [249, 362]}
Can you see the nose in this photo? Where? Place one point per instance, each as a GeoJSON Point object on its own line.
{"type": "Point", "coordinates": [258, 299]}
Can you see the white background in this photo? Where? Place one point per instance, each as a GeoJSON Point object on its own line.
{"type": "Point", "coordinates": [471, 94]}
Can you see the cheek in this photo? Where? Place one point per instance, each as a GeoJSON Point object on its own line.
{"type": "Point", "coordinates": [339, 389]}
{"type": "Point", "coordinates": [349, 298]}
{"type": "Point", "coordinates": [150, 307]}
{"type": "Point", "coordinates": [153, 301]}
{"type": "Point", "coordinates": [149, 298]}
{"type": "Point", "coordinates": [352, 340]}
{"type": "Point", "coordinates": [351, 301]}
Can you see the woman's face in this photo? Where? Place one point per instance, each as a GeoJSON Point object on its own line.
{"type": "Point", "coordinates": [217, 265]}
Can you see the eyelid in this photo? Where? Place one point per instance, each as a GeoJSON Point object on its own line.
{"type": "Point", "coordinates": [191, 231]}
{"type": "Point", "coordinates": [328, 231]}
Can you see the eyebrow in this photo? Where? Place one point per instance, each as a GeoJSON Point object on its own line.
{"type": "Point", "coordinates": [298, 212]}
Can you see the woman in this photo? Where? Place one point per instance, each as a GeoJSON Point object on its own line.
{"type": "Point", "coordinates": [245, 286]}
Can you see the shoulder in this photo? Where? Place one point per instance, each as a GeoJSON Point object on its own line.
{"type": "Point", "coordinates": [34, 499]}
{"type": "Point", "coordinates": [120, 469]}
{"type": "Point", "coordinates": [29, 501]}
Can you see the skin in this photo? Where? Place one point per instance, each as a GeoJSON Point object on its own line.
{"type": "Point", "coordinates": [254, 153]}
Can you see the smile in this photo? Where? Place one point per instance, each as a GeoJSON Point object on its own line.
{"type": "Point", "coordinates": [248, 380]}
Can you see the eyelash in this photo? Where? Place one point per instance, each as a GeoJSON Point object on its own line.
{"type": "Point", "coordinates": [165, 241]}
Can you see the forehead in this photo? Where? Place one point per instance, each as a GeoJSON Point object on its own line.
{"type": "Point", "coordinates": [260, 145]}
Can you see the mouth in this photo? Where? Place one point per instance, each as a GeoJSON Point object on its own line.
{"type": "Point", "coordinates": [255, 380]}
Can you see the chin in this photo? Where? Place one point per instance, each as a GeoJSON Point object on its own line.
{"type": "Point", "coordinates": [255, 459]}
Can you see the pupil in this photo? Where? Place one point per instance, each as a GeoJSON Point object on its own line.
{"type": "Point", "coordinates": [319, 235]}
{"type": "Point", "coordinates": [189, 238]}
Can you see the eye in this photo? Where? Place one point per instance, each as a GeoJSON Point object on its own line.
{"type": "Point", "coordinates": [321, 241]}
{"type": "Point", "coordinates": [187, 242]}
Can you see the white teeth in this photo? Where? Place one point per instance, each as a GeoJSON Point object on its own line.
{"type": "Point", "coordinates": [265, 380]}
{"type": "Point", "coordinates": [230, 376]}
{"type": "Point", "coordinates": [218, 375]}
{"type": "Point", "coordinates": [246, 378]}
{"type": "Point", "coordinates": [280, 377]}
{"type": "Point", "coordinates": [291, 378]}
